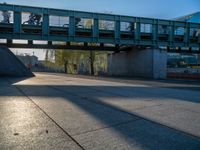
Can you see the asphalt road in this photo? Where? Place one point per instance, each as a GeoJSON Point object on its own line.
{"type": "Point", "coordinates": [57, 111]}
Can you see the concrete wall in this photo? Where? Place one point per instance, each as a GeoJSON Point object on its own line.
{"type": "Point", "coordinates": [10, 65]}
{"type": "Point", "coordinates": [149, 63]}
{"type": "Point", "coordinates": [140, 63]}
{"type": "Point", "coordinates": [118, 64]}
{"type": "Point", "coordinates": [159, 64]}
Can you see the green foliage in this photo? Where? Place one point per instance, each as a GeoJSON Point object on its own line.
{"type": "Point", "coordinates": [77, 62]}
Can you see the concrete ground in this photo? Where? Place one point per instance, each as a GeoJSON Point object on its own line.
{"type": "Point", "coordinates": [56, 111]}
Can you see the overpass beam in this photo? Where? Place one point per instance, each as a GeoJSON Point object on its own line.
{"type": "Point", "coordinates": [186, 35]}
{"type": "Point", "coordinates": [137, 31]}
{"type": "Point", "coordinates": [25, 32]}
{"type": "Point", "coordinates": [17, 22]}
{"type": "Point", "coordinates": [155, 32]}
{"type": "Point", "coordinates": [72, 27]}
{"type": "Point", "coordinates": [95, 30]}
{"type": "Point", "coordinates": [45, 26]}
{"type": "Point", "coordinates": [171, 34]}
{"type": "Point", "coordinates": [117, 32]}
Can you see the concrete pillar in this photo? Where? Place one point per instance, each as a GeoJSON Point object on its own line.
{"type": "Point", "coordinates": [118, 64]}
{"type": "Point", "coordinates": [149, 63]}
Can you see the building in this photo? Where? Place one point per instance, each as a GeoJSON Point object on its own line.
{"type": "Point", "coordinates": [184, 65]}
{"type": "Point", "coordinates": [29, 61]}
{"type": "Point", "coordinates": [195, 18]}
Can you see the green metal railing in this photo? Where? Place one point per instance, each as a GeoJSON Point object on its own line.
{"type": "Point", "coordinates": [160, 32]}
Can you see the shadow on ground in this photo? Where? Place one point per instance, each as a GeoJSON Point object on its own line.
{"type": "Point", "coordinates": [138, 131]}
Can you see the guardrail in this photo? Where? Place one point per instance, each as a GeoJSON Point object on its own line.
{"type": "Point", "coordinates": [143, 31]}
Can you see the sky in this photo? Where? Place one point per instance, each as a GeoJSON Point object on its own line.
{"type": "Point", "coordinates": [161, 9]}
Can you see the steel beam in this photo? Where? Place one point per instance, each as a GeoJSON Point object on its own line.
{"type": "Point", "coordinates": [155, 31]}
{"type": "Point", "coordinates": [16, 30]}
{"type": "Point", "coordinates": [95, 30]}
{"type": "Point", "coordinates": [171, 34]}
{"type": "Point", "coordinates": [17, 22]}
{"type": "Point", "coordinates": [72, 27]}
{"type": "Point", "coordinates": [117, 32]}
{"type": "Point", "coordinates": [187, 34]}
{"type": "Point", "coordinates": [63, 47]}
{"type": "Point", "coordinates": [45, 25]}
{"type": "Point", "coordinates": [137, 31]}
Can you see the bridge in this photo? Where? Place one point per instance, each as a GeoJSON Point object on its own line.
{"type": "Point", "coordinates": [172, 35]}
{"type": "Point", "coordinates": [145, 41]}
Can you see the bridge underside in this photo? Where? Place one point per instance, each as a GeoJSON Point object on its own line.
{"type": "Point", "coordinates": [93, 47]}
{"type": "Point", "coordinates": [174, 36]}
{"type": "Point", "coordinates": [67, 46]}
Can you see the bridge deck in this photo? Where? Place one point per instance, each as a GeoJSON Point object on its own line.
{"type": "Point", "coordinates": [171, 38]}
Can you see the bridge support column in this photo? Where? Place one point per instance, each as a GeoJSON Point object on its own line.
{"type": "Point", "coordinates": [149, 63]}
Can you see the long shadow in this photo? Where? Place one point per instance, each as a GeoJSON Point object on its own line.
{"type": "Point", "coordinates": [143, 132]}
{"type": "Point", "coordinates": [138, 131]}
{"type": "Point", "coordinates": [146, 81]}
{"type": "Point", "coordinates": [10, 80]}
{"type": "Point", "coordinates": [153, 93]}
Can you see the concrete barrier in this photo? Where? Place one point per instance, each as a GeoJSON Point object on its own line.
{"type": "Point", "coordinates": [10, 65]}
{"type": "Point", "coordinates": [148, 63]}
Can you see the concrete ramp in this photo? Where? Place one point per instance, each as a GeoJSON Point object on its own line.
{"type": "Point", "coordinates": [10, 65]}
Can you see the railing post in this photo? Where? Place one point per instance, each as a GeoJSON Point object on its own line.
{"type": "Point", "coordinates": [155, 32]}
{"type": "Point", "coordinates": [72, 26]}
{"type": "Point", "coordinates": [137, 30]}
{"type": "Point", "coordinates": [117, 32]}
{"type": "Point", "coordinates": [95, 30]}
{"type": "Point", "coordinates": [17, 22]}
{"type": "Point", "coordinates": [186, 34]}
{"type": "Point", "coordinates": [171, 34]}
{"type": "Point", "coordinates": [45, 25]}
{"type": "Point", "coordinates": [24, 31]}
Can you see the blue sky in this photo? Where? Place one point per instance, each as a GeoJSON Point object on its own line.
{"type": "Point", "coordinates": [165, 9]}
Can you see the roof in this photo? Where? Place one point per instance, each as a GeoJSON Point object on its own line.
{"type": "Point", "coordinates": [194, 17]}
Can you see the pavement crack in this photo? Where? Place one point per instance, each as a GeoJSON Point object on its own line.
{"type": "Point", "coordinates": [73, 139]}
